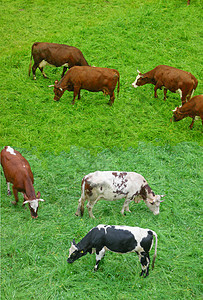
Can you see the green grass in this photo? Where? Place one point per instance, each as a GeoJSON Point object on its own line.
{"type": "Point", "coordinates": [64, 142]}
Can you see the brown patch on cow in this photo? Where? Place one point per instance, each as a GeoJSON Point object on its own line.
{"type": "Point", "coordinates": [115, 174]}
{"type": "Point", "coordinates": [143, 193]}
{"type": "Point", "coordinates": [149, 190]}
{"type": "Point", "coordinates": [88, 188]}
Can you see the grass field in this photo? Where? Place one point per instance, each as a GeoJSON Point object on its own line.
{"type": "Point", "coordinates": [63, 143]}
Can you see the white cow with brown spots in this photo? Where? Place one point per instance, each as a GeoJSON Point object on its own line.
{"type": "Point", "coordinates": [114, 185]}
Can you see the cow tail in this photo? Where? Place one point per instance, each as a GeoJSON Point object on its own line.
{"type": "Point", "coordinates": [118, 87]}
{"type": "Point", "coordinates": [30, 65]}
{"type": "Point", "coordinates": [82, 198]}
{"type": "Point", "coordinates": [155, 252]}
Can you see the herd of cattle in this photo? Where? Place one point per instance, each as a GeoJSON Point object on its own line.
{"type": "Point", "coordinates": [83, 76]}
{"type": "Point", "coordinates": [108, 185]}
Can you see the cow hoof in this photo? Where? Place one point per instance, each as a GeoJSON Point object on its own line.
{"type": "Point", "coordinates": [9, 193]}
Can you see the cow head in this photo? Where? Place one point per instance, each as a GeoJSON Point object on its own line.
{"type": "Point", "coordinates": [140, 80]}
{"type": "Point", "coordinates": [154, 204]}
{"type": "Point", "coordinates": [33, 204]}
{"type": "Point", "coordinates": [74, 253]}
{"type": "Point", "coordinates": [58, 91]}
{"type": "Point", "coordinates": [177, 115]}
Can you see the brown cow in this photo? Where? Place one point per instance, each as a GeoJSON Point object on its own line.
{"type": "Point", "coordinates": [171, 79]}
{"type": "Point", "coordinates": [191, 109]}
{"type": "Point", "coordinates": [93, 79]}
{"type": "Point", "coordinates": [56, 55]}
{"type": "Point", "coordinates": [18, 172]}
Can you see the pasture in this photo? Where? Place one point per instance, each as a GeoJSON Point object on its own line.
{"type": "Point", "coordinates": [63, 143]}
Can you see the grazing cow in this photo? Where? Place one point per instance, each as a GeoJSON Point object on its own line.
{"type": "Point", "coordinates": [193, 108]}
{"type": "Point", "coordinates": [171, 79]}
{"type": "Point", "coordinates": [109, 185]}
{"type": "Point", "coordinates": [18, 172]}
{"type": "Point", "coordinates": [119, 239]}
{"type": "Point", "coordinates": [93, 79]}
{"type": "Point", "coordinates": [56, 55]}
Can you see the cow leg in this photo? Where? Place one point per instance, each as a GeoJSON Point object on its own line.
{"type": "Point", "coordinates": [157, 86]}
{"type": "Point", "coordinates": [183, 97]}
{"type": "Point", "coordinates": [191, 125]}
{"type": "Point", "coordinates": [75, 93]}
{"type": "Point", "coordinates": [144, 260]}
{"type": "Point", "coordinates": [79, 95]}
{"type": "Point", "coordinates": [15, 193]}
{"type": "Point", "coordinates": [42, 71]}
{"type": "Point", "coordinates": [112, 97]}
{"type": "Point", "coordinates": [90, 206]}
{"type": "Point", "coordinates": [189, 96]}
{"type": "Point", "coordinates": [34, 67]}
{"type": "Point", "coordinates": [80, 209]}
{"type": "Point", "coordinates": [126, 206]}
{"type": "Point", "coordinates": [8, 189]}
{"type": "Point", "coordinates": [64, 70]}
{"type": "Point", "coordinates": [99, 255]}
{"type": "Point", "coordinates": [165, 92]}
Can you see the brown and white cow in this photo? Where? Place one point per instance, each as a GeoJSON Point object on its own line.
{"type": "Point", "coordinates": [93, 79]}
{"type": "Point", "coordinates": [56, 55]}
{"type": "Point", "coordinates": [18, 172]}
{"type": "Point", "coordinates": [193, 108]}
{"type": "Point", "coordinates": [172, 79]}
{"type": "Point", "coordinates": [114, 185]}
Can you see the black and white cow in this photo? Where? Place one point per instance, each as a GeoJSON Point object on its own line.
{"type": "Point", "coordinates": [114, 185]}
{"type": "Point", "coordinates": [119, 239]}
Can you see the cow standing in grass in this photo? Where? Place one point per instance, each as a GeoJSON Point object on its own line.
{"type": "Point", "coordinates": [172, 79]}
{"type": "Point", "coordinates": [55, 55]}
{"type": "Point", "coordinates": [18, 172]}
{"type": "Point", "coordinates": [119, 239]}
{"type": "Point", "coordinates": [93, 79]}
{"type": "Point", "coordinates": [191, 109]}
{"type": "Point", "coordinates": [114, 185]}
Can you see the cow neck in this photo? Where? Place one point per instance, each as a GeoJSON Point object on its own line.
{"type": "Point", "coordinates": [29, 189]}
{"type": "Point", "coordinates": [185, 110]}
{"type": "Point", "coordinates": [85, 244]}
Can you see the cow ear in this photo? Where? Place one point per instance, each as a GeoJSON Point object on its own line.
{"type": "Point", "coordinates": [74, 243]}
{"type": "Point", "coordinates": [38, 195]}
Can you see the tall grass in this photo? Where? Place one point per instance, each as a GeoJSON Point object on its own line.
{"type": "Point", "coordinates": [64, 142]}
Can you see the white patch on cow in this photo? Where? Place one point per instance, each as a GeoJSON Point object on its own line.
{"type": "Point", "coordinates": [180, 92]}
{"type": "Point", "coordinates": [134, 84]}
{"type": "Point", "coordinates": [34, 204]}
{"type": "Point", "coordinates": [10, 150]}
{"type": "Point", "coordinates": [65, 65]}
{"type": "Point", "coordinates": [72, 249]}
{"type": "Point", "coordinates": [44, 63]}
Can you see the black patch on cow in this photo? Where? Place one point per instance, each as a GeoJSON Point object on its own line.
{"type": "Point", "coordinates": [117, 240]}
{"type": "Point", "coordinates": [147, 241]}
